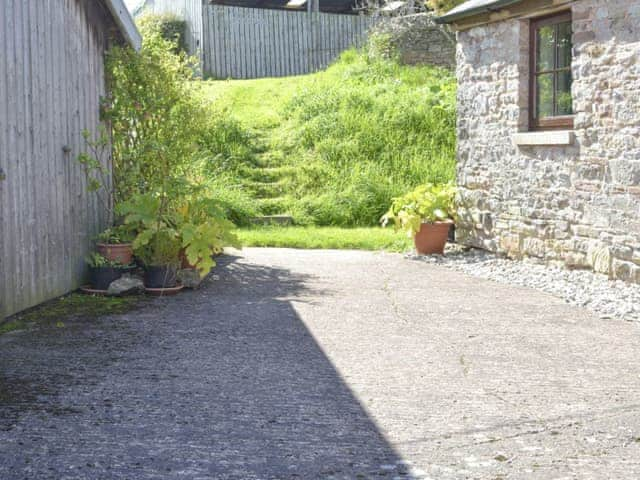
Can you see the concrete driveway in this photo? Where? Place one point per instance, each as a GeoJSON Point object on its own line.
{"type": "Point", "coordinates": [326, 365]}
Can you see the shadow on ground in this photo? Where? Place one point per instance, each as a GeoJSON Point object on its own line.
{"type": "Point", "coordinates": [221, 383]}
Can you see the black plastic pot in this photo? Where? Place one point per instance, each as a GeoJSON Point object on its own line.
{"type": "Point", "coordinates": [161, 277]}
{"type": "Point", "coordinates": [101, 277]}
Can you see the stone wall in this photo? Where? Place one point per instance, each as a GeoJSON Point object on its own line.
{"type": "Point", "coordinates": [576, 205]}
{"type": "Point", "coordinates": [418, 40]}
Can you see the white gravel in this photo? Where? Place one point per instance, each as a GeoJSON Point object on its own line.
{"type": "Point", "coordinates": [607, 298]}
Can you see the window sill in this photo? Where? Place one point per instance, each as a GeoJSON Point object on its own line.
{"type": "Point", "coordinates": [550, 137]}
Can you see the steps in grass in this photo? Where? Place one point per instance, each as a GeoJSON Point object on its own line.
{"type": "Point", "coordinates": [274, 206]}
{"type": "Point", "coordinates": [280, 220]}
{"type": "Point", "coordinates": [265, 189]}
{"type": "Point", "coordinates": [268, 174]}
{"type": "Point", "coordinates": [267, 181]}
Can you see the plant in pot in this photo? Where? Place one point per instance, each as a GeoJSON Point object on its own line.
{"type": "Point", "coordinates": [116, 244]}
{"type": "Point", "coordinates": [427, 214]}
{"type": "Point", "coordinates": [205, 232]}
{"type": "Point", "coordinates": [157, 243]}
{"type": "Point", "coordinates": [102, 271]}
{"type": "Point", "coordinates": [160, 256]}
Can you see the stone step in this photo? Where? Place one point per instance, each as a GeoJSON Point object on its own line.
{"type": "Point", "coordinates": [270, 159]}
{"type": "Point", "coordinates": [267, 174]}
{"type": "Point", "coordinates": [265, 189]}
{"type": "Point", "coordinates": [275, 205]}
{"type": "Point", "coordinates": [273, 220]}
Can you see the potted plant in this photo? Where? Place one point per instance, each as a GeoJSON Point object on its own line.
{"type": "Point", "coordinates": [157, 243]}
{"type": "Point", "coordinates": [102, 271]}
{"type": "Point", "coordinates": [205, 232]}
{"type": "Point", "coordinates": [115, 244]}
{"type": "Point", "coordinates": [427, 214]}
{"type": "Point", "coordinates": [160, 256]}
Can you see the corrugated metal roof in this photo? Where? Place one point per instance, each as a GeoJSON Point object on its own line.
{"type": "Point", "coordinates": [125, 22]}
{"type": "Point", "coordinates": [474, 7]}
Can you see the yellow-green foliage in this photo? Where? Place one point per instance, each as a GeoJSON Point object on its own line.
{"type": "Point", "coordinates": [442, 6]}
{"type": "Point", "coordinates": [170, 26]}
{"type": "Point", "coordinates": [427, 203]}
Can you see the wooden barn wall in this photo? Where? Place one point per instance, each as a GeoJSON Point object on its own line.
{"type": "Point", "coordinates": [51, 81]}
{"type": "Point", "coordinates": [190, 10]}
{"type": "Point", "coordinates": [253, 43]}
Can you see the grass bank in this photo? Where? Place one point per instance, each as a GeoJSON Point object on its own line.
{"type": "Point", "coordinates": [313, 237]}
{"type": "Point", "coordinates": [332, 148]}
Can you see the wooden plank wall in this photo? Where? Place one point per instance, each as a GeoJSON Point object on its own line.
{"type": "Point", "coordinates": [51, 81]}
{"type": "Point", "coordinates": [243, 42]}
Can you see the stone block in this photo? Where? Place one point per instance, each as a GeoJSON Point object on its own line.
{"type": "Point", "coordinates": [599, 257]}
{"type": "Point", "coordinates": [126, 285]}
{"type": "Point", "coordinates": [190, 278]}
{"type": "Point", "coordinates": [534, 247]}
{"type": "Point", "coordinates": [576, 261]}
{"type": "Point", "coordinates": [621, 270]}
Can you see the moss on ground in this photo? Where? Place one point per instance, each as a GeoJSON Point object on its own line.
{"type": "Point", "coordinates": [75, 305]}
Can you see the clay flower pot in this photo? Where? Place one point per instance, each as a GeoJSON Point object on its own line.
{"type": "Point", "coordinates": [121, 253]}
{"type": "Point", "coordinates": [432, 237]}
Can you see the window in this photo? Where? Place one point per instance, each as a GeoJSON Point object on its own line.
{"type": "Point", "coordinates": [550, 104]}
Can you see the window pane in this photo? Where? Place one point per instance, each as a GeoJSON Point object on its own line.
{"type": "Point", "coordinates": [563, 94]}
{"type": "Point", "coordinates": [564, 45]}
{"type": "Point", "coordinates": [544, 100]}
{"type": "Point", "coordinates": [544, 55]}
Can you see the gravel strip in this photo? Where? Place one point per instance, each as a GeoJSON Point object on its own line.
{"type": "Point", "coordinates": [583, 288]}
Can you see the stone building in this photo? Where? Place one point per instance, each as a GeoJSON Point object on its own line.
{"type": "Point", "coordinates": [549, 130]}
{"type": "Point", "coordinates": [417, 40]}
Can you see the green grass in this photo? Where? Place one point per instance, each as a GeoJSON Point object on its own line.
{"type": "Point", "coordinates": [255, 103]}
{"type": "Point", "coordinates": [334, 147]}
{"type": "Point", "coordinates": [374, 238]}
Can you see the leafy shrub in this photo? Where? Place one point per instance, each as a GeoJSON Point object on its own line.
{"type": "Point", "coordinates": [170, 27]}
{"type": "Point", "coordinates": [155, 116]}
{"type": "Point", "coordinates": [380, 46]}
{"type": "Point", "coordinates": [160, 126]}
{"type": "Point", "coordinates": [427, 203]}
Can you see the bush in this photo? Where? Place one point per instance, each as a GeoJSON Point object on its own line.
{"type": "Point", "coordinates": [155, 116]}
{"type": "Point", "coordinates": [169, 26]}
{"type": "Point", "coordinates": [159, 128]}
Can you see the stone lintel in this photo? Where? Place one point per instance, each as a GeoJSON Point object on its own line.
{"type": "Point", "coordinates": [552, 137]}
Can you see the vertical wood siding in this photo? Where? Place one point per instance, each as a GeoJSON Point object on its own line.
{"type": "Point", "coordinates": [241, 42]}
{"type": "Point", "coordinates": [51, 81]}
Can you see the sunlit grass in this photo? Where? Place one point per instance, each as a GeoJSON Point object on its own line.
{"type": "Point", "coordinates": [373, 238]}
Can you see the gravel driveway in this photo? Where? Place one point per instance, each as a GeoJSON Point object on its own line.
{"type": "Point", "coordinates": [326, 365]}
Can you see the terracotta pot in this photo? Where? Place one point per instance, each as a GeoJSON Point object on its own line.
{"type": "Point", "coordinates": [432, 238]}
{"type": "Point", "coordinates": [122, 253]}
